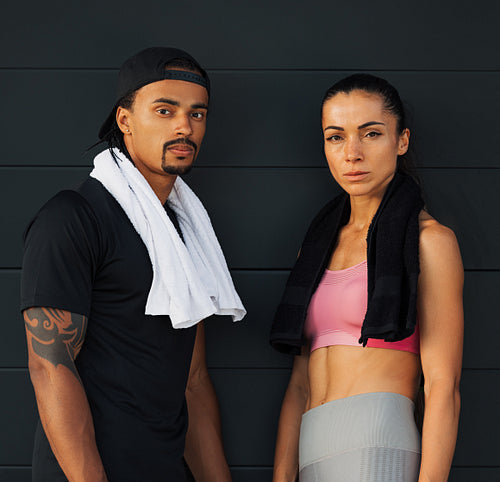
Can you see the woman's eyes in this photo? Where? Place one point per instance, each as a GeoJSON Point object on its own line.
{"type": "Point", "coordinates": [337, 138]}
{"type": "Point", "coordinates": [334, 138]}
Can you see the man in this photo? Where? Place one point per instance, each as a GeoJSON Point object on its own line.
{"type": "Point", "coordinates": [115, 281]}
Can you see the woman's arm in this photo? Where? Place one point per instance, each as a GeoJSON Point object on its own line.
{"type": "Point", "coordinates": [440, 312]}
{"type": "Point", "coordinates": [286, 457]}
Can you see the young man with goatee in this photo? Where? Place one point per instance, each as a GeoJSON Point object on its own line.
{"type": "Point", "coordinates": [118, 275]}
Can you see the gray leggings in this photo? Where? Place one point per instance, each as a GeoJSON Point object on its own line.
{"type": "Point", "coordinates": [370, 437]}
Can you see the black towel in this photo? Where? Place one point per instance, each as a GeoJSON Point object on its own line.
{"type": "Point", "coordinates": [393, 268]}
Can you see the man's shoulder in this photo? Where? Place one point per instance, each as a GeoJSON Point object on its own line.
{"type": "Point", "coordinates": [68, 206]}
{"type": "Point", "coordinates": [63, 203]}
{"type": "Point", "coordinates": [93, 192]}
{"type": "Point", "coordinates": [88, 197]}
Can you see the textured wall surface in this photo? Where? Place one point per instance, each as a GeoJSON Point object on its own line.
{"type": "Point", "coordinates": [261, 172]}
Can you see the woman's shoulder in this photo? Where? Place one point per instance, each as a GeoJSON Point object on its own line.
{"type": "Point", "coordinates": [438, 242]}
{"type": "Point", "coordinates": [433, 232]}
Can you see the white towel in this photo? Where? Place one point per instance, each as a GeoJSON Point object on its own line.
{"type": "Point", "coordinates": [191, 280]}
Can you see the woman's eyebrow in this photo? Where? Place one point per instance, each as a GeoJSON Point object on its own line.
{"type": "Point", "coordinates": [362, 126]}
{"type": "Point", "coordinates": [371, 123]}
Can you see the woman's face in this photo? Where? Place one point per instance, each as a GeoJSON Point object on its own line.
{"type": "Point", "coordinates": [361, 142]}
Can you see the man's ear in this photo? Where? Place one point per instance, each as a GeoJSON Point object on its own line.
{"type": "Point", "coordinates": [123, 120]}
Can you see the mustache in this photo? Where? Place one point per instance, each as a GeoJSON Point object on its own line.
{"type": "Point", "coordinates": [176, 142]}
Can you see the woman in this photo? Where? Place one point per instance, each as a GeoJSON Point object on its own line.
{"type": "Point", "coordinates": [374, 301]}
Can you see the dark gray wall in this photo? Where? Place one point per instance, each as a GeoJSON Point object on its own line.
{"type": "Point", "coordinates": [261, 173]}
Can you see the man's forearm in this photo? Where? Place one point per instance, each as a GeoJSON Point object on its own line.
{"type": "Point", "coordinates": [204, 450]}
{"type": "Point", "coordinates": [54, 339]}
{"type": "Point", "coordinates": [67, 422]}
{"type": "Point", "coordinates": [286, 456]}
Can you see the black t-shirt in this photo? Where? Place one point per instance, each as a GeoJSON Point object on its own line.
{"type": "Point", "coordinates": [83, 255]}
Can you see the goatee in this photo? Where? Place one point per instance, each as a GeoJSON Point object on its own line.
{"type": "Point", "coordinates": [176, 170]}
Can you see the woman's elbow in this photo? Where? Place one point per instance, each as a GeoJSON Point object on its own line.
{"type": "Point", "coordinates": [446, 389]}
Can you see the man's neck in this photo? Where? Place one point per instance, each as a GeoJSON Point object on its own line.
{"type": "Point", "coordinates": [162, 186]}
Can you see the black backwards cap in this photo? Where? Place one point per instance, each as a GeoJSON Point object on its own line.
{"type": "Point", "coordinates": [146, 67]}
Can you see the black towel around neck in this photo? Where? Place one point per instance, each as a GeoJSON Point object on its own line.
{"type": "Point", "coordinates": [393, 268]}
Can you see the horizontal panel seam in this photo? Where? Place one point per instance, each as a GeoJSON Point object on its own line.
{"type": "Point", "coordinates": [245, 166]}
{"type": "Point", "coordinates": [224, 70]}
{"type": "Point", "coordinates": [17, 270]}
{"type": "Point", "coordinates": [256, 368]}
{"type": "Point", "coordinates": [270, 466]}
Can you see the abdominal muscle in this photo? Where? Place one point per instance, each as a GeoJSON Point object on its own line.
{"type": "Point", "coordinates": [342, 371]}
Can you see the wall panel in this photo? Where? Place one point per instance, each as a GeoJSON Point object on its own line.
{"type": "Point", "coordinates": [477, 443]}
{"type": "Point", "coordinates": [15, 474]}
{"type": "Point", "coordinates": [245, 344]}
{"type": "Point", "coordinates": [251, 474]}
{"type": "Point", "coordinates": [22, 193]}
{"type": "Point", "coordinates": [458, 474]}
{"type": "Point", "coordinates": [468, 474]}
{"type": "Point", "coordinates": [481, 308]}
{"type": "Point", "coordinates": [17, 418]}
{"type": "Point", "coordinates": [260, 215]}
{"type": "Point", "coordinates": [250, 401]}
{"type": "Point", "coordinates": [261, 171]}
{"type": "Point", "coordinates": [264, 474]}
{"type": "Point", "coordinates": [257, 118]}
{"type": "Point", "coordinates": [462, 200]}
{"type": "Point", "coordinates": [261, 34]}
{"type": "Point", "coordinates": [13, 350]}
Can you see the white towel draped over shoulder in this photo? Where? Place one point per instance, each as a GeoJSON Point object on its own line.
{"type": "Point", "coordinates": [191, 280]}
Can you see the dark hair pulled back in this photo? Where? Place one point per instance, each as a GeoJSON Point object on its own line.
{"type": "Point", "coordinates": [392, 104]}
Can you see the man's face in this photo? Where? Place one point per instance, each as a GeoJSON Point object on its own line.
{"type": "Point", "coordinates": [164, 128]}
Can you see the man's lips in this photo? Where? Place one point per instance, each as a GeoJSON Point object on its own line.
{"type": "Point", "coordinates": [180, 147]}
{"type": "Point", "coordinates": [183, 148]}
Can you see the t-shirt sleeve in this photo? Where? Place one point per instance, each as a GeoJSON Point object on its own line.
{"type": "Point", "coordinates": [61, 252]}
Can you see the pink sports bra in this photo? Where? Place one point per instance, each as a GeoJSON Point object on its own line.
{"type": "Point", "coordinates": [337, 310]}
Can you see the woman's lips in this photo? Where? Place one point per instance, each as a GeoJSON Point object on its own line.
{"type": "Point", "coordinates": [356, 175]}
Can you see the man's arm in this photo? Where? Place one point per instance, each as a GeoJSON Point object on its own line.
{"type": "Point", "coordinates": [204, 450]}
{"type": "Point", "coordinates": [55, 338]}
{"type": "Point", "coordinates": [286, 455]}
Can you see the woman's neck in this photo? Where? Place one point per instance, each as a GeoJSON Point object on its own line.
{"type": "Point", "coordinates": [363, 208]}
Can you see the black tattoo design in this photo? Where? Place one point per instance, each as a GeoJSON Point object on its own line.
{"type": "Point", "coordinates": [57, 335]}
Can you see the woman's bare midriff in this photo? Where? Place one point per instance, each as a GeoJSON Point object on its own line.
{"type": "Point", "coordinates": [342, 371]}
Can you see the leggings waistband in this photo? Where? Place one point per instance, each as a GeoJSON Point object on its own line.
{"type": "Point", "coordinates": [379, 419]}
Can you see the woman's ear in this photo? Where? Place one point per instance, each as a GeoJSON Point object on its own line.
{"type": "Point", "coordinates": [403, 142]}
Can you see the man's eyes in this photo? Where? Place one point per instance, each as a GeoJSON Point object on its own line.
{"type": "Point", "coordinates": [194, 115]}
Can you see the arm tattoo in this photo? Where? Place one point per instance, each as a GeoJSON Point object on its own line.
{"type": "Point", "coordinates": [57, 335]}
